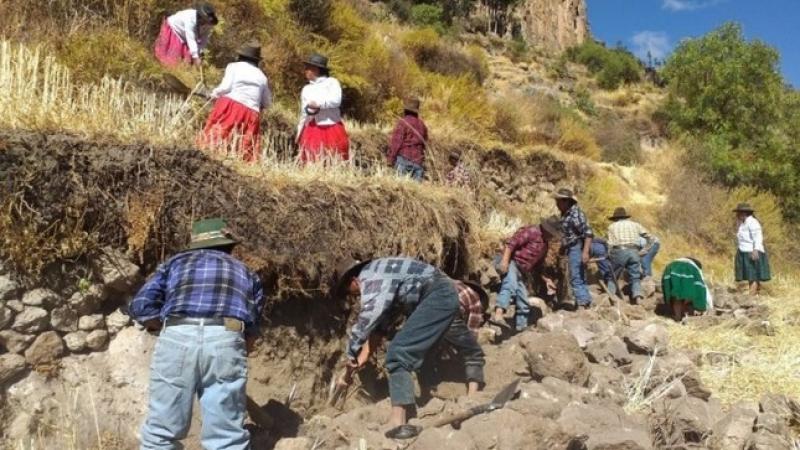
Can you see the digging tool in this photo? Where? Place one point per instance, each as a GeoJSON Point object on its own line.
{"type": "Point", "coordinates": [180, 88]}
{"type": "Point", "coordinates": [257, 415]}
{"type": "Point", "coordinates": [497, 402]}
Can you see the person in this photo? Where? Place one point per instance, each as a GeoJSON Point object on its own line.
{"type": "Point", "coordinates": [458, 176]}
{"type": "Point", "coordinates": [207, 306]}
{"type": "Point", "coordinates": [576, 244]}
{"type": "Point", "coordinates": [685, 288]}
{"type": "Point", "coordinates": [321, 133]}
{"type": "Point", "coordinates": [241, 96]}
{"type": "Point", "coordinates": [649, 247]}
{"type": "Point", "coordinates": [752, 262]}
{"type": "Point", "coordinates": [408, 142]}
{"type": "Point", "coordinates": [523, 253]}
{"type": "Point", "coordinates": [599, 253]}
{"type": "Point", "coordinates": [388, 288]}
{"type": "Point", "coordinates": [184, 35]}
{"type": "Point", "coordinates": [623, 240]}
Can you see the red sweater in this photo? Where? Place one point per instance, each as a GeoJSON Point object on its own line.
{"type": "Point", "coordinates": [408, 140]}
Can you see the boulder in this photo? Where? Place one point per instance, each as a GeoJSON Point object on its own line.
{"type": "Point", "coordinates": [608, 383]}
{"type": "Point", "coordinates": [555, 355]}
{"type": "Point", "coordinates": [551, 322]}
{"type": "Point", "coordinates": [782, 406]}
{"type": "Point", "coordinates": [692, 417]}
{"type": "Point", "coordinates": [297, 443]}
{"type": "Point", "coordinates": [734, 430]}
{"type": "Point", "coordinates": [605, 426]}
{"type": "Point", "coordinates": [609, 352]}
{"type": "Point", "coordinates": [31, 320]}
{"type": "Point", "coordinates": [581, 334]}
{"type": "Point", "coordinates": [442, 438]}
{"type": "Point", "coordinates": [116, 321]}
{"type": "Point", "coordinates": [97, 339]}
{"type": "Point", "coordinates": [648, 339]}
{"type": "Point", "coordinates": [6, 316]}
{"type": "Point", "coordinates": [11, 365]}
{"type": "Point", "coordinates": [76, 342]}
{"type": "Point", "coordinates": [8, 288]}
{"type": "Point", "coordinates": [43, 298]}
{"type": "Point", "coordinates": [764, 440]}
{"type": "Point", "coordinates": [694, 386]}
{"type": "Point", "coordinates": [15, 305]}
{"type": "Point", "coordinates": [88, 301]}
{"type": "Point", "coordinates": [47, 348]}
{"type": "Point", "coordinates": [91, 322]}
{"type": "Point", "coordinates": [116, 270]}
{"type": "Point", "coordinates": [15, 342]}
{"type": "Point", "coordinates": [64, 318]}
{"type": "Point", "coordinates": [486, 335]}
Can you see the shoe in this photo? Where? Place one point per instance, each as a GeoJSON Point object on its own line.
{"type": "Point", "coordinates": [403, 432]}
{"type": "Point", "coordinates": [636, 300]}
{"type": "Point", "coordinates": [499, 323]}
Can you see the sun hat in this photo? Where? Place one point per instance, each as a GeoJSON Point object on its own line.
{"type": "Point", "coordinates": [744, 207]}
{"type": "Point", "coordinates": [565, 194]}
{"type": "Point", "coordinates": [206, 12]}
{"type": "Point", "coordinates": [411, 104]}
{"type": "Point", "coordinates": [619, 214]}
{"type": "Point", "coordinates": [346, 270]}
{"type": "Point", "coordinates": [250, 50]}
{"type": "Point", "coordinates": [317, 60]}
{"type": "Point", "coordinates": [552, 225]}
{"type": "Point", "coordinates": [210, 233]}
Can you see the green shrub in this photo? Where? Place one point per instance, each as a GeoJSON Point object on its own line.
{"type": "Point", "coordinates": [577, 138]}
{"type": "Point", "coordinates": [111, 52]}
{"type": "Point", "coordinates": [401, 9]}
{"type": "Point", "coordinates": [431, 53]}
{"type": "Point", "coordinates": [427, 15]}
{"type": "Point", "coordinates": [312, 14]}
{"type": "Point", "coordinates": [583, 101]}
{"type": "Point", "coordinates": [612, 67]}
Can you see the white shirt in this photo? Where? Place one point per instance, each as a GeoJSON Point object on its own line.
{"type": "Point", "coordinates": [325, 92]}
{"type": "Point", "coordinates": [246, 84]}
{"type": "Point", "coordinates": [184, 24]}
{"type": "Point", "coordinates": [750, 236]}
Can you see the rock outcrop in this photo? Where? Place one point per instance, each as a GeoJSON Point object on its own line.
{"type": "Point", "coordinates": [553, 24]}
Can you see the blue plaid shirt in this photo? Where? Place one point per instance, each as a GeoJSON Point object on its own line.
{"type": "Point", "coordinates": [575, 227]}
{"type": "Point", "coordinates": [201, 283]}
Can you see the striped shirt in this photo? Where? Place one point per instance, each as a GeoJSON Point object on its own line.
{"type": "Point", "coordinates": [470, 306]}
{"type": "Point", "coordinates": [626, 233]}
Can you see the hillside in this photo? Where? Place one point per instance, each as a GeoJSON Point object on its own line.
{"type": "Point", "coordinates": [101, 182]}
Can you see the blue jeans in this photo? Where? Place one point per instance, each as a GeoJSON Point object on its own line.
{"type": "Point", "coordinates": [577, 275]}
{"type": "Point", "coordinates": [203, 360]}
{"type": "Point", "coordinates": [466, 344]}
{"type": "Point", "coordinates": [406, 168]}
{"type": "Point", "coordinates": [647, 260]}
{"type": "Point", "coordinates": [513, 287]}
{"type": "Point", "coordinates": [628, 259]}
{"type": "Point", "coordinates": [599, 250]}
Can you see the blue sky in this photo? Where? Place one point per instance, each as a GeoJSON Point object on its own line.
{"type": "Point", "coordinates": [657, 25]}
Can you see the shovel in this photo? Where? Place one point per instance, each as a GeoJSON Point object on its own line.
{"type": "Point", "coordinates": [497, 402]}
{"type": "Point", "coordinates": [180, 88]}
{"type": "Point", "coordinates": [257, 415]}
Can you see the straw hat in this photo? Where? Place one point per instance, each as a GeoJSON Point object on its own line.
{"type": "Point", "coordinates": [744, 207]}
{"type": "Point", "coordinates": [552, 225]}
{"type": "Point", "coordinates": [317, 60]}
{"type": "Point", "coordinates": [250, 50]}
{"type": "Point", "coordinates": [345, 271]}
{"type": "Point", "coordinates": [619, 214]}
{"type": "Point", "coordinates": [412, 104]}
{"type": "Point", "coordinates": [565, 194]}
{"type": "Point", "coordinates": [210, 233]}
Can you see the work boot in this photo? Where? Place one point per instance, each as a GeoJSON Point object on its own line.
{"type": "Point", "coordinates": [403, 432]}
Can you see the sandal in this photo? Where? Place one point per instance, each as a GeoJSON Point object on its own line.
{"type": "Point", "coordinates": [499, 323]}
{"type": "Point", "coordinates": [404, 432]}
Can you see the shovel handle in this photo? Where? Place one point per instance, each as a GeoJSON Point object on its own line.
{"type": "Point", "coordinates": [460, 417]}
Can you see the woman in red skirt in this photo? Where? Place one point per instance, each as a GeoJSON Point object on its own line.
{"type": "Point", "coordinates": [234, 123]}
{"type": "Point", "coordinates": [321, 133]}
{"type": "Point", "coordinates": [184, 35]}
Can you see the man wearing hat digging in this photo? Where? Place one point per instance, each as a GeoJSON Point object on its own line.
{"type": "Point", "coordinates": [206, 306]}
{"type": "Point", "coordinates": [321, 134]}
{"type": "Point", "coordinates": [408, 142]}
{"type": "Point", "coordinates": [388, 288]}
{"type": "Point", "coordinates": [752, 263]}
{"type": "Point", "coordinates": [576, 244]}
{"type": "Point", "coordinates": [624, 242]}
{"type": "Point", "coordinates": [235, 122]}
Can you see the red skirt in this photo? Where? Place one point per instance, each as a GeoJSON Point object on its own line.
{"type": "Point", "coordinates": [320, 142]}
{"type": "Point", "coordinates": [232, 127]}
{"type": "Point", "coordinates": [170, 50]}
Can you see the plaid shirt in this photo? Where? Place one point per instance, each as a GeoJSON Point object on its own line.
{"type": "Point", "coordinates": [626, 233]}
{"type": "Point", "coordinates": [201, 283]}
{"type": "Point", "coordinates": [470, 306]}
{"type": "Point", "coordinates": [575, 227]}
{"type": "Point", "coordinates": [458, 176]}
{"type": "Point", "coordinates": [528, 247]}
{"type": "Point", "coordinates": [408, 140]}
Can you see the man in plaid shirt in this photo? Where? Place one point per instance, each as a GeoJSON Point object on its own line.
{"type": "Point", "coordinates": [206, 305]}
{"type": "Point", "coordinates": [624, 242]}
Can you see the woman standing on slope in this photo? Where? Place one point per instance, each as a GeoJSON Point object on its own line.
{"type": "Point", "coordinates": [752, 264]}
{"type": "Point", "coordinates": [184, 35]}
{"type": "Point", "coordinates": [241, 96]}
{"type": "Point", "coordinates": [321, 133]}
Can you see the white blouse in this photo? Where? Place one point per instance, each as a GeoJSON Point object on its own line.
{"type": "Point", "coordinates": [246, 84]}
{"type": "Point", "coordinates": [750, 235]}
{"type": "Point", "coordinates": [325, 92]}
{"type": "Point", "coordinates": [184, 24]}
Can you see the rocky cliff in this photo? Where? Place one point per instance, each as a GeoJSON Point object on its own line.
{"type": "Point", "coordinates": [553, 24]}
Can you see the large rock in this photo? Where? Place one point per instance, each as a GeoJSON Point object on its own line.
{"type": "Point", "coordinates": [47, 348]}
{"type": "Point", "coordinates": [76, 342]}
{"type": "Point", "coordinates": [555, 355]}
{"type": "Point", "coordinates": [15, 342]}
{"type": "Point", "coordinates": [31, 320]}
{"type": "Point", "coordinates": [692, 417]}
{"type": "Point", "coordinates": [43, 298]}
{"type": "Point", "coordinates": [6, 316]}
{"type": "Point", "coordinates": [91, 322]}
{"type": "Point", "coordinates": [8, 288]}
{"type": "Point", "coordinates": [116, 270]}
{"type": "Point", "coordinates": [605, 427]}
{"type": "Point", "coordinates": [440, 438]}
{"type": "Point", "coordinates": [64, 318]}
{"type": "Point", "coordinates": [609, 352]}
{"type": "Point", "coordinates": [88, 301]}
{"type": "Point", "coordinates": [15, 305]}
{"type": "Point", "coordinates": [11, 365]}
{"type": "Point", "coordinates": [553, 24]}
{"type": "Point", "coordinates": [648, 339]}
{"type": "Point", "coordinates": [734, 430]}
{"type": "Point", "coordinates": [580, 332]}
{"type": "Point", "coordinates": [551, 322]}
{"type": "Point", "coordinates": [298, 443]}
{"type": "Point", "coordinates": [97, 339]}
{"type": "Point", "coordinates": [116, 321]}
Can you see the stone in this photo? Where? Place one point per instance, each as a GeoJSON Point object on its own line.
{"type": "Point", "coordinates": [31, 320]}
{"type": "Point", "coordinates": [442, 438]}
{"type": "Point", "coordinates": [43, 298]}
{"type": "Point", "coordinates": [764, 440]}
{"type": "Point", "coordinates": [64, 319]}
{"type": "Point", "coordinates": [20, 428]}
{"type": "Point", "coordinates": [11, 365]}
{"type": "Point", "coordinates": [6, 316]}
{"type": "Point", "coordinates": [555, 355]}
{"type": "Point", "coordinates": [92, 322]}
{"type": "Point", "coordinates": [116, 270]}
{"type": "Point", "coordinates": [694, 386]}
{"type": "Point", "coordinates": [9, 288]}
{"type": "Point", "coordinates": [15, 342]}
{"type": "Point", "coordinates": [551, 322]}
{"type": "Point", "coordinates": [649, 339]}
{"type": "Point", "coordinates": [297, 443]}
{"type": "Point", "coordinates": [605, 426]}
{"type": "Point", "coordinates": [734, 430]}
{"type": "Point", "coordinates": [116, 321]}
{"type": "Point", "coordinates": [608, 383]}
{"type": "Point", "coordinates": [553, 24]}
{"type": "Point", "coordinates": [486, 335]}
{"type": "Point", "coordinates": [76, 342]}
{"type": "Point", "coordinates": [97, 339]}
{"type": "Point", "coordinates": [47, 348]}
{"type": "Point", "coordinates": [581, 334]}
{"type": "Point", "coordinates": [693, 417]}
{"type": "Point", "coordinates": [88, 301]}
{"type": "Point", "coordinates": [15, 305]}
{"type": "Point", "coordinates": [609, 352]}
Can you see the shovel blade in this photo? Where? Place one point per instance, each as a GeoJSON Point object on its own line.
{"type": "Point", "coordinates": [506, 394]}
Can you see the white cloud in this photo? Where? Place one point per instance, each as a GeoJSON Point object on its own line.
{"type": "Point", "coordinates": [655, 42]}
{"type": "Point", "coordinates": [688, 5]}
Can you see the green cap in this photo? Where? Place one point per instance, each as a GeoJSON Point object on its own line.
{"type": "Point", "coordinates": [209, 233]}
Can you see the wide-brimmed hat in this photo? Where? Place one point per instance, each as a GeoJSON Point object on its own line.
{"type": "Point", "coordinates": [744, 207]}
{"type": "Point", "coordinates": [344, 272]}
{"type": "Point", "coordinates": [209, 233]}
{"type": "Point", "coordinates": [250, 50]}
{"type": "Point", "coordinates": [478, 290]}
{"type": "Point", "coordinates": [206, 11]}
{"type": "Point", "coordinates": [411, 104]}
{"type": "Point", "coordinates": [317, 60]}
{"type": "Point", "coordinates": [619, 214]}
{"type": "Point", "coordinates": [565, 194]}
{"type": "Point", "coordinates": [552, 225]}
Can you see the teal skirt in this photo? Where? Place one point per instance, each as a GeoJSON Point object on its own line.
{"type": "Point", "coordinates": [749, 270]}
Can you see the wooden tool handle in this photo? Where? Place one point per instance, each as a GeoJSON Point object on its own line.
{"type": "Point", "coordinates": [460, 417]}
